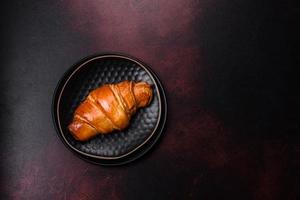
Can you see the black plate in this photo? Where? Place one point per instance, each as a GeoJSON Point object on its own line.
{"type": "Point", "coordinates": [118, 147]}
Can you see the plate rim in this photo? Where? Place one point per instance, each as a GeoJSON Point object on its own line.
{"type": "Point", "coordinates": [67, 75]}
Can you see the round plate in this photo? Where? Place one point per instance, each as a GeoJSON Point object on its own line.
{"type": "Point", "coordinates": [118, 147]}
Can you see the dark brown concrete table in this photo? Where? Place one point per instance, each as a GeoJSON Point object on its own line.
{"type": "Point", "coordinates": [233, 122]}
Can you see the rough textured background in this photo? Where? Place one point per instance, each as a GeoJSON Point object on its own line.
{"type": "Point", "coordinates": [233, 123]}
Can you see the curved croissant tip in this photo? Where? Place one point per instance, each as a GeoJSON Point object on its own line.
{"type": "Point", "coordinates": [143, 93]}
{"type": "Point", "coordinates": [145, 84]}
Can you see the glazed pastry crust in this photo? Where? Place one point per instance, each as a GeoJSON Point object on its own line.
{"type": "Point", "coordinates": [108, 108]}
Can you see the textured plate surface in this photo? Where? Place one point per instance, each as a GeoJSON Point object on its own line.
{"type": "Point", "coordinates": [120, 146]}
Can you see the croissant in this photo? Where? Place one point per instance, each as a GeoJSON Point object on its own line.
{"type": "Point", "coordinates": [109, 108]}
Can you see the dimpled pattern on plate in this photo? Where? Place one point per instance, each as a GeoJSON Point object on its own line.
{"type": "Point", "coordinates": [94, 74]}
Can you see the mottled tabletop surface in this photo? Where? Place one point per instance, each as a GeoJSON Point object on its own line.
{"type": "Point", "coordinates": [232, 130]}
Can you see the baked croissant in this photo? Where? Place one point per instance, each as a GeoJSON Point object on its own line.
{"type": "Point", "coordinates": [109, 108]}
